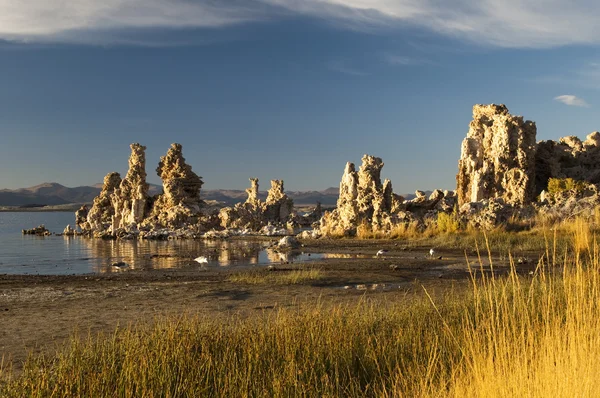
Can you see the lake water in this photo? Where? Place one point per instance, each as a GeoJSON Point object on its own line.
{"type": "Point", "coordinates": [62, 255]}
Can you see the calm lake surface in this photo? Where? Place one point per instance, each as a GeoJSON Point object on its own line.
{"type": "Point", "coordinates": [61, 255]}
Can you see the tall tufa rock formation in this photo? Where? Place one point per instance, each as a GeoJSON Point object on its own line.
{"type": "Point", "coordinates": [278, 206]}
{"type": "Point", "coordinates": [180, 201]}
{"type": "Point", "coordinates": [252, 192]}
{"type": "Point", "coordinates": [497, 158]}
{"type": "Point", "coordinates": [130, 200]}
{"type": "Point", "coordinates": [363, 199]}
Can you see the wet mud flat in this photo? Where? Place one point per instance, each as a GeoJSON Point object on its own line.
{"type": "Point", "coordinates": [40, 313]}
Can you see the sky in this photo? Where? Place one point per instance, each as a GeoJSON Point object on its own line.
{"type": "Point", "coordinates": [283, 89]}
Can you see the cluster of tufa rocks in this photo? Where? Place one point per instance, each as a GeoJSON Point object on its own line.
{"type": "Point", "coordinates": [366, 202]}
{"type": "Point", "coordinates": [255, 214]}
{"type": "Point", "coordinates": [503, 175]}
{"type": "Point", "coordinates": [40, 230]}
{"type": "Point", "coordinates": [123, 209]}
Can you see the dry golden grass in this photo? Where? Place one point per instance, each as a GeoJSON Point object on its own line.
{"type": "Point", "coordinates": [508, 336]}
{"type": "Point", "coordinates": [399, 231]}
{"type": "Point", "coordinates": [447, 223]}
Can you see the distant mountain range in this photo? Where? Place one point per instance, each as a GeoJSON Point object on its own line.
{"type": "Point", "coordinates": [52, 194]}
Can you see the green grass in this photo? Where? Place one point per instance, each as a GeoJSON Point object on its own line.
{"type": "Point", "coordinates": [535, 336]}
{"type": "Point", "coordinates": [277, 277]}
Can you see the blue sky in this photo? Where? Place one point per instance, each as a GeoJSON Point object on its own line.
{"type": "Point", "coordinates": [282, 88]}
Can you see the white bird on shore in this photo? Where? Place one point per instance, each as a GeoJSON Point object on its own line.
{"type": "Point", "coordinates": [431, 252]}
{"type": "Point", "coordinates": [201, 260]}
{"type": "Point", "coordinates": [381, 252]}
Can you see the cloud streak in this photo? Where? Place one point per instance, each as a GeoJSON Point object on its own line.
{"type": "Point", "coordinates": [508, 23]}
{"type": "Point", "coordinates": [571, 100]}
{"type": "Point", "coordinates": [341, 66]}
{"type": "Point", "coordinates": [403, 60]}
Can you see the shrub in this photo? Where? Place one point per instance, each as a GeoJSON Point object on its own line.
{"type": "Point", "coordinates": [557, 185]}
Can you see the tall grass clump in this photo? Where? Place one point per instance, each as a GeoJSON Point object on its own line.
{"type": "Point", "coordinates": [281, 277]}
{"type": "Point", "coordinates": [447, 223]}
{"type": "Point", "coordinates": [512, 334]}
{"type": "Point", "coordinates": [401, 230]}
{"type": "Point", "coordinates": [537, 337]}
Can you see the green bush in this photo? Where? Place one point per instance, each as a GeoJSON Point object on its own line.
{"type": "Point", "coordinates": [557, 185]}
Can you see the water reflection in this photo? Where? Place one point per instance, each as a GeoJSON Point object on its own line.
{"type": "Point", "coordinates": [145, 254]}
{"type": "Point", "coordinates": [64, 255]}
{"type": "Point", "coordinates": [181, 253]}
{"type": "Point", "coordinates": [77, 255]}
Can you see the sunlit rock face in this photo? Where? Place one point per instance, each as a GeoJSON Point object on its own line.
{"type": "Point", "coordinates": [100, 215]}
{"type": "Point", "coordinates": [497, 158]}
{"type": "Point", "coordinates": [363, 199]}
{"type": "Point", "coordinates": [130, 199]}
{"type": "Point", "coordinates": [180, 202]}
{"type": "Point", "coordinates": [568, 158]}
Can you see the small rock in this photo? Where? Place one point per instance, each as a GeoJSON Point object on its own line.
{"type": "Point", "coordinates": [288, 242]}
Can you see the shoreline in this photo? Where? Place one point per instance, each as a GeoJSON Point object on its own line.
{"type": "Point", "coordinates": [45, 209]}
{"type": "Point", "coordinates": [40, 313]}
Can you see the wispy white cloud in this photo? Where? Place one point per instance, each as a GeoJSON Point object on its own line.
{"type": "Point", "coordinates": [507, 23]}
{"type": "Point", "coordinates": [403, 60]}
{"type": "Point", "coordinates": [571, 100]}
{"type": "Point", "coordinates": [58, 20]}
{"type": "Point", "coordinates": [342, 66]}
{"type": "Point", "coordinates": [585, 76]}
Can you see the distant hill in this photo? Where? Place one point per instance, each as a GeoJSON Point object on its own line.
{"type": "Point", "coordinates": [53, 194]}
{"type": "Point", "coordinates": [47, 194]}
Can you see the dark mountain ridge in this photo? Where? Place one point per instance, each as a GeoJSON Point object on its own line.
{"type": "Point", "coordinates": [52, 193]}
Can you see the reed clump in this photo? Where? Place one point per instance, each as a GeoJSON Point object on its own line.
{"type": "Point", "coordinates": [278, 277]}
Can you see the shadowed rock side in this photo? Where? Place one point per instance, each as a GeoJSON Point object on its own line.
{"type": "Point", "coordinates": [100, 216]}
{"type": "Point", "coordinates": [278, 207]}
{"type": "Point", "coordinates": [497, 158]}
